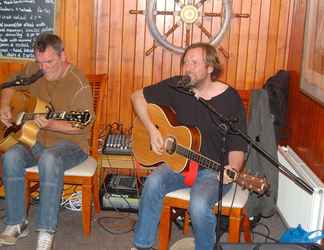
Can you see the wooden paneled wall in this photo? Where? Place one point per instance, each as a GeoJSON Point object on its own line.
{"type": "Point", "coordinates": [306, 116]}
{"type": "Point", "coordinates": [257, 46]}
{"type": "Point", "coordinates": [101, 36]}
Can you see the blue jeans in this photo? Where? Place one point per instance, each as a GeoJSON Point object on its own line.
{"type": "Point", "coordinates": [51, 162]}
{"type": "Point", "coordinates": [203, 195]}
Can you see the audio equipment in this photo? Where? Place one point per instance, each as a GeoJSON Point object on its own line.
{"type": "Point", "coordinates": [118, 144]}
{"type": "Point", "coordinates": [121, 193]}
{"type": "Point", "coordinates": [118, 202]}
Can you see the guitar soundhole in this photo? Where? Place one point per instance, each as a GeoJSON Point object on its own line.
{"type": "Point", "coordinates": [170, 145]}
{"type": "Point", "coordinates": [12, 129]}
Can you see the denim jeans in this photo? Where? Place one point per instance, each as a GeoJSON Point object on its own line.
{"type": "Point", "coordinates": [51, 162]}
{"type": "Point", "coordinates": [203, 195]}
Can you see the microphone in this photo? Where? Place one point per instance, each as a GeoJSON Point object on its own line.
{"type": "Point", "coordinates": [185, 86]}
{"type": "Point", "coordinates": [184, 82]}
{"type": "Point", "coordinates": [21, 81]}
{"type": "Point", "coordinates": [33, 78]}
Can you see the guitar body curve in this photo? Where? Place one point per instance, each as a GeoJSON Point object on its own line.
{"type": "Point", "coordinates": [27, 133]}
{"type": "Point", "coordinates": [165, 120]}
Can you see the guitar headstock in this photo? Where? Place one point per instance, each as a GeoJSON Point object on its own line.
{"type": "Point", "coordinates": [79, 119]}
{"type": "Point", "coordinates": [252, 183]}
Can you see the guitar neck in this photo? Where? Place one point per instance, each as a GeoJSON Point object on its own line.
{"type": "Point", "coordinates": [202, 160]}
{"type": "Point", "coordinates": [205, 162]}
{"type": "Point", "coordinates": [49, 115]}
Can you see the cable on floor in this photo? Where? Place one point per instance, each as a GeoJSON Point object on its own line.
{"type": "Point", "coordinates": [117, 225]}
{"type": "Point", "coordinates": [121, 223]}
{"type": "Point", "coordinates": [73, 202]}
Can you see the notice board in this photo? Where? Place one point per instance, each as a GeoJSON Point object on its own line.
{"type": "Point", "coordinates": [20, 22]}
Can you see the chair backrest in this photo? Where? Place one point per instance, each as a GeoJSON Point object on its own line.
{"type": "Point", "coordinates": [99, 87]}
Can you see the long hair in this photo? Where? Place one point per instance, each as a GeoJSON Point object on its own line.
{"type": "Point", "coordinates": [210, 58]}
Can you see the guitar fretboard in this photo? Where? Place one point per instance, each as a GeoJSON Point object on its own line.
{"type": "Point", "coordinates": [202, 160]}
{"type": "Point", "coordinates": [51, 115]}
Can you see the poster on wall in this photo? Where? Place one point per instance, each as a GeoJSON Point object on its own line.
{"type": "Point", "coordinates": [312, 77]}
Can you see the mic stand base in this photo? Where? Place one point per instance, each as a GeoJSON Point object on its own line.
{"type": "Point", "coordinates": [218, 246]}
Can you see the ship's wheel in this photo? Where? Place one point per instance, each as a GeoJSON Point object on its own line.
{"type": "Point", "coordinates": [187, 13]}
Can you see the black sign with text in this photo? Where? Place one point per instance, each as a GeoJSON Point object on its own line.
{"type": "Point", "coordinates": [20, 22]}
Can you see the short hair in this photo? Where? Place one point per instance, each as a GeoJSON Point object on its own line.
{"type": "Point", "coordinates": [210, 58]}
{"type": "Point", "coordinates": [47, 39]}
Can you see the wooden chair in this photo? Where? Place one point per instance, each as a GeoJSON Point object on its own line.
{"type": "Point", "coordinates": [179, 199]}
{"type": "Point", "coordinates": [85, 174]}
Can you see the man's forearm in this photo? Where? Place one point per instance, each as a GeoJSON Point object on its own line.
{"type": "Point", "coordinates": [64, 127]}
{"type": "Point", "coordinates": [6, 95]}
{"type": "Point", "coordinates": [236, 159]}
{"type": "Point", "coordinates": [140, 108]}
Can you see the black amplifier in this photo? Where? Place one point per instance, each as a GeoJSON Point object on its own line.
{"type": "Point", "coordinates": [121, 193]}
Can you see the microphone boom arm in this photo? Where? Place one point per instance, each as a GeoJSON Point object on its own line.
{"type": "Point", "coordinates": [22, 81]}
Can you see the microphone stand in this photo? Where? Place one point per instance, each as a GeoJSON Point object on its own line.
{"type": "Point", "coordinates": [22, 81]}
{"type": "Point", "coordinates": [17, 82]}
{"type": "Point", "coordinates": [226, 126]}
{"type": "Point", "coordinates": [223, 128]}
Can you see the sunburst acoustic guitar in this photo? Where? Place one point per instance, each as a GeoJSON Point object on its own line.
{"type": "Point", "coordinates": [24, 109]}
{"type": "Point", "coordinates": [181, 145]}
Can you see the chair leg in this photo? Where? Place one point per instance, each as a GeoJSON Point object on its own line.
{"type": "Point", "coordinates": [96, 198]}
{"type": "Point", "coordinates": [27, 195]}
{"type": "Point", "coordinates": [165, 227]}
{"type": "Point", "coordinates": [246, 227]}
{"type": "Point", "coordinates": [86, 209]}
{"type": "Point", "coordinates": [186, 223]}
{"type": "Point", "coordinates": [234, 226]}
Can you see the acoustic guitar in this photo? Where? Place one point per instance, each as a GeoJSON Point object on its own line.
{"type": "Point", "coordinates": [24, 129]}
{"type": "Point", "coordinates": [181, 144]}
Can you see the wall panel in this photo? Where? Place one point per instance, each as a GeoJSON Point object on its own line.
{"type": "Point", "coordinates": [252, 56]}
{"type": "Point", "coordinates": [127, 70]}
{"type": "Point", "coordinates": [306, 120]}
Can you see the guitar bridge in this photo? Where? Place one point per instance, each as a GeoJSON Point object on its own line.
{"type": "Point", "coordinates": [170, 145]}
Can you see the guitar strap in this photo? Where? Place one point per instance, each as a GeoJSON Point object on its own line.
{"type": "Point", "coordinates": [190, 174]}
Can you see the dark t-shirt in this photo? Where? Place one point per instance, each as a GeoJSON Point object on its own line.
{"type": "Point", "coordinates": [192, 112]}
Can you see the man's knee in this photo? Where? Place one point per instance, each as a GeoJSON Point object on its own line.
{"type": "Point", "coordinates": [198, 208]}
{"type": "Point", "coordinates": [49, 164]}
{"type": "Point", "coordinates": [13, 160]}
{"type": "Point", "coordinates": [152, 182]}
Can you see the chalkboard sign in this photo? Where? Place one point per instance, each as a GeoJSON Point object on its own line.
{"type": "Point", "coordinates": [20, 22]}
